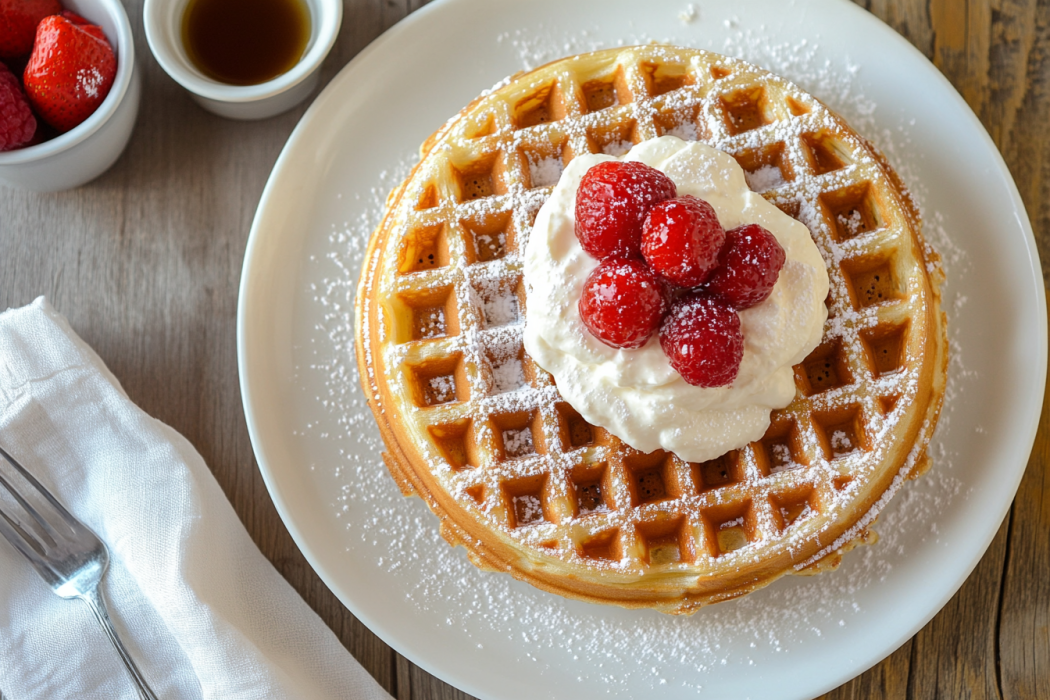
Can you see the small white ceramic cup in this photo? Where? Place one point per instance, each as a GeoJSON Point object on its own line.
{"type": "Point", "coordinates": [163, 20]}
{"type": "Point", "coordinates": [90, 148]}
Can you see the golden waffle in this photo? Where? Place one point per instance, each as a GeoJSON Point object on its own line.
{"type": "Point", "coordinates": [514, 474]}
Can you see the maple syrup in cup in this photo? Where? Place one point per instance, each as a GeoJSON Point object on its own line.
{"type": "Point", "coordinates": [245, 42]}
{"type": "Point", "coordinates": [252, 59]}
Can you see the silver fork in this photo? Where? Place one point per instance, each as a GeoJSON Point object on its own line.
{"type": "Point", "coordinates": [68, 556]}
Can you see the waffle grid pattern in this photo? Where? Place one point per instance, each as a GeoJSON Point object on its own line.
{"type": "Point", "coordinates": [490, 425]}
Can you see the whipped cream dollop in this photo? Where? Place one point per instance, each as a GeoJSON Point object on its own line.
{"type": "Point", "coordinates": [636, 394]}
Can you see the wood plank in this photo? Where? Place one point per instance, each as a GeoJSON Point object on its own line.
{"type": "Point", "coordinates": [1017, 114]}
{"type": "Point", "coordinates": [961, 45]}
{"type": "Point", "coordinates": [910, 19]}
{"type": "Point", "coordinates": [404, 678]}
{"type": "Point", "coordinates": [427, 687]}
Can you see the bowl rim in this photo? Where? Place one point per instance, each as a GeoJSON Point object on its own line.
{"type": "Point", "coordinates": [328, 19]}
{"type": "Point", "coordinates": [125, 51]}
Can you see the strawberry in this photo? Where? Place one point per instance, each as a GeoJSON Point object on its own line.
{"type": "Point", "coordinates": [70, 71]}
{"type": "Point", "coordinates": [18, 21]}
{"type": "Point", "coordinates": [17, 124]}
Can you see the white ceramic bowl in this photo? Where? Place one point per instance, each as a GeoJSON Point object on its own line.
{"type": "Point", "coordinates": [89, 149]}
{"type": "Point", "coordinates": [163, 20]}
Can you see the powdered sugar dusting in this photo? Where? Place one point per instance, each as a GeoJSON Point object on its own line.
{"type": "Point", "coordinates": [518, 443]}
{"type": "Point", "coordinates": [508, 375]}
{"type": "Point", "coordinates": [401, 535]}
{"type": "Point", "coordinates": [545, 172]}
{"type": "Point", "coordinates": [765, 178]}
{"type": "Point", "coordinates": [617, 148]}
{"type": "Point", "coordinates": [443, 389]}
{"type": "Point", "coordinates": [685, 131]}
{"type": "Point", "coordinates": [841, 443]}
{"type": "Point", "coordinates": [498, 303]}
{"type": "Point", "coordinates": [688, 14]}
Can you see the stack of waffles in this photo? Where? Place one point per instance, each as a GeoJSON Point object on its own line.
{"type": "Point", "coordinates": [513, 472]}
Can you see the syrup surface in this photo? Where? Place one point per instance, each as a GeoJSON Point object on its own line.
{"type": "Point", "coordinates": [245, 42]}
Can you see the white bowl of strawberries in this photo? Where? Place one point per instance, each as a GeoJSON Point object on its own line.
{"type": "Point", "coordinates": [69, 91]}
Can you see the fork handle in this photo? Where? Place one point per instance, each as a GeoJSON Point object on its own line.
{"type": "Point", "coordinates": [97, 604]}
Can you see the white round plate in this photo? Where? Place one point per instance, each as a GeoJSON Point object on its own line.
{"type": "Point", "coordinates": [318, 447]}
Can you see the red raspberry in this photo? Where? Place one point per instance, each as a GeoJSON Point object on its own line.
{"type": "Point", "coordinates": [622, 303]}
{"type": "Point", "coordinates": [702, 340]}
{"type": "Point", "coordinates": [681, 239]}
{"type": "Point", "coordinates": [749, 266]}
{"type": "Point", "coordinates": [611, 205]}
{"type": "Point", "coordinates": [17, 123]}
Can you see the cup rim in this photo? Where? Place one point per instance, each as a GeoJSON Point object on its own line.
{"type": "Point", "coordinates": [158, 36]}
{"type": "Point", "coordinates": [125, 51]}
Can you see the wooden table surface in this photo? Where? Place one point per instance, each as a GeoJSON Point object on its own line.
{"type": "Point", "coordinates": [145, 263]}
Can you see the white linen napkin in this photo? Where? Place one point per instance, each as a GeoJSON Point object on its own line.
{"type": "Point", "coordinates": [202, 612]}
